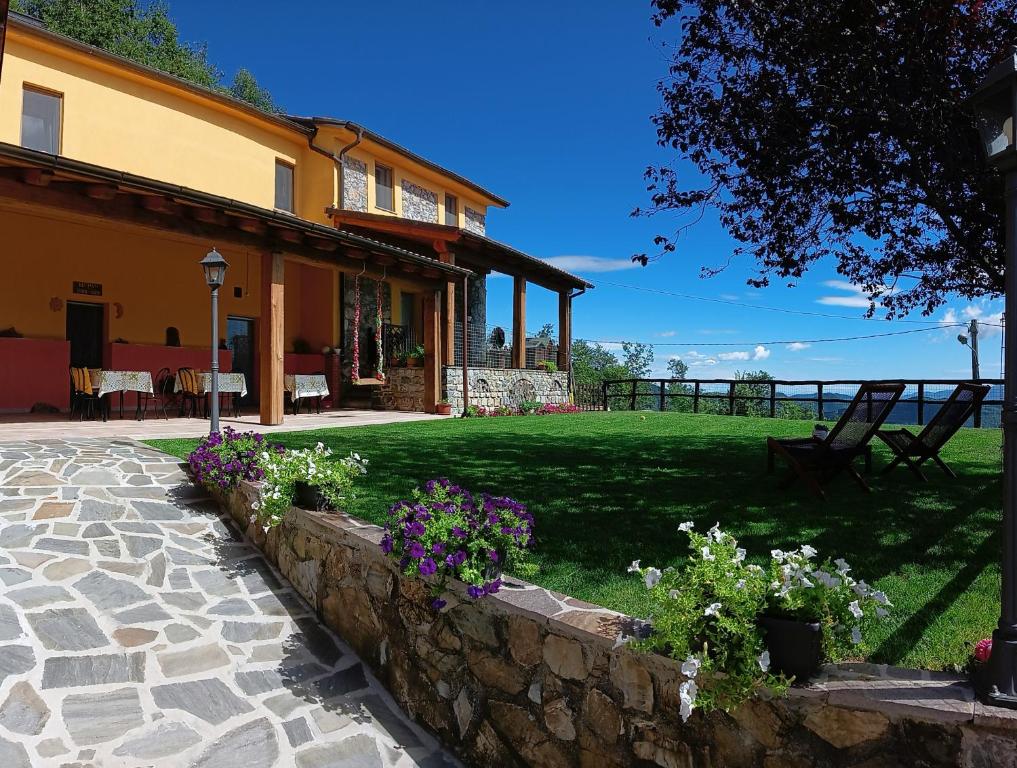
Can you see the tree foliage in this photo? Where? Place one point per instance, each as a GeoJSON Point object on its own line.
{"type": "Point", "coordinates": [678, 368]}
{"type": "Point", "coordinates": [142, 32]}
{"type": "Point", "coordinates": [837, 130]}
{"type": "Point", "coordinates": [637, 358]}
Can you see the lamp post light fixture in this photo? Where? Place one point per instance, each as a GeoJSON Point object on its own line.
{"type": "Point", "coordinates": [995, 106]}
{"type": "Point", "coordinates": [214, 266]}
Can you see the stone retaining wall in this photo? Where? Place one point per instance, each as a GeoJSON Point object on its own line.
{"type": "Point", "coordinates": [491, 387]}
{"type": "Point", "coordinates": [529, 677]}
{"type": "Point", "coordinates": [403, 390]}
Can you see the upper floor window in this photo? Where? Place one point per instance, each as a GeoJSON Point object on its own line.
{"type": "Point", "coordinates": [451, 211]}
{"type": "Point", "coordinates": [283, 186]}
{"type": "Point", "coordinates": [384, 195]}
{"type": "Point", "coordinates": [40, 121]}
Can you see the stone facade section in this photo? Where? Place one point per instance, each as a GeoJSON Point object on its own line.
{"type": "Point", "coordinates": [403, 390]}
{"type": "Point", "coordinates": [476, 221]}
{"type": "Point", "coordinates": [492, 387]}
{"type": "Point", "coordinates": [419, 203]}
{"type": "Point", "coordinates": [529, 677]}
{"type": "Point", "coordinates": [354, 184]}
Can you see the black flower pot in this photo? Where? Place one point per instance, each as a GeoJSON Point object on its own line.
{"type": "Point", "coordinates": [796, 647]}
{"type": "Point", "coordinates": [308, 496]}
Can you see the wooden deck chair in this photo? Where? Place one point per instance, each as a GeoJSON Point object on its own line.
{"type": "Point", "coordinates": [914, 450]}
{"type": "Point", "coordinates": [817, 461]}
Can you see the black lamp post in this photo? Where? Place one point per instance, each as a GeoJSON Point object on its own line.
{"type": "Point", "coordinates": [995, 105]}
{"type": "Point", "coordinates": [214, 266]}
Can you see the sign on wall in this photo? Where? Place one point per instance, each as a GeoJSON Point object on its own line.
{"type": "Point", "coordinates": [87, 289]}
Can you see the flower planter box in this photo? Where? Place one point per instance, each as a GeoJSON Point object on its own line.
{"type": "Point", "coordinates": [796, 647]}
{"type": "Point", "coordinates": [443, 409]}
{"type": "Point", "coordinates": [307, 496]}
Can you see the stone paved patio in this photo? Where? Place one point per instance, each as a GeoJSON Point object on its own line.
{"type": "Point", "coordinates": [138, 629]}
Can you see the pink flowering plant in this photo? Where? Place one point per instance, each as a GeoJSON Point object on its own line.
{"type": "Point", "coordinates": [445, 532]}
{"type": "Point", "coordinates": [528, 408]}
{"type": "Point", "coordinates": [800, 588]}
{"type": "Point", "coordinates": [705, 615]}
{"type": "Point", "coordinates": [222, 459]}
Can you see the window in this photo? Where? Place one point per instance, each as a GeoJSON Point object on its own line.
{"type": "Point", "coordinates": [384, 197]}
{"type": "Point", "coordinates": [283, 186]}
{"type": "Point", "coordinates": [451, 211]}
{"type": "Point", "coordinates": [40, 121]}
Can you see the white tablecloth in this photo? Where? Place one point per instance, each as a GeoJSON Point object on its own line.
{"type": "Point", "coordinates": [105, 382]}
{"type": "Point", "coordinates": [305, 385]}
{"type": "Point", "coordinates": [228, 382]}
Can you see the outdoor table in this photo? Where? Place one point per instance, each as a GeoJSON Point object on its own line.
{"type": "Point", "coordinates": [234, 384]}
{"type": "Point", "coordinates": [107, 382]}
{"type": "Point", "coordinates": [302, 385]}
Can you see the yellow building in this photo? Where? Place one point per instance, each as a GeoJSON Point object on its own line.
{"type": "Point", "coordinates": [115, 179]}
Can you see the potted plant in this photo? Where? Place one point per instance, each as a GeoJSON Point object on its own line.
{"type": "Point", "coordinates": [443, 408]}
{"type": "Point", "coordinates": [445, 532]}
{"type": "Point", "coordinates": [309, 479]}
{"type": "Point", "coordinates": [549, 366]}
{"type": "Point", "coordinates": [415, 356]}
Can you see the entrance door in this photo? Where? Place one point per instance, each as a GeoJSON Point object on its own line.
{"type": "Point", "coordinates": [85, 332]}
{"type": "Point", "coordinates": [240, 341]}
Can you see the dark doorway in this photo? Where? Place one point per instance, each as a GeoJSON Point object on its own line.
{"type": "Point", "coordinates": [85, 332]}
{"type": "Point", "coordinates": [240, 342]}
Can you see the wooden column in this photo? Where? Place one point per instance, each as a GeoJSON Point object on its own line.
{"type": "Point", "coordinates": [273, 283]}
{"type": "Point", "coordinates": [448, 325]}
{"type": "Point", "coordinates": [564, 330]}
{"type": "Point", "coordinates": [519, 322]}
{"type": "Point", "coordinates": [432, 350]}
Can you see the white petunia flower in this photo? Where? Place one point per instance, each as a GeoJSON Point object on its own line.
{"type": "Point", "coordinates": [856, 635]}
{"type": "Point", "coordinates": [686, 526]}
{"type": "Point", "coordinates": [881, 598]}
{"type": "Point", "coordinates": [881, 612]}
{"type": "Point", "coordinates": [687, 694]}
{"type": "Point", "coordinates": [861, 588]}
{"type": "Point", "coordinates": [651, 577]}
{"type": "Point", "coordinates": [712, 609]}
{"type": "Point", "coordinates": [808, 551]}
{"type": "Point", "coordinates": [739, 555]}
{"type": "Point", "coordinates": [707, 555]}
{"type": "Point", "coordinates": [855, 609]}
{"type": "Point", "coordinates": [634, 568]}
{"type": "Point", "coordinates": [690, 667]}
{"type": "Point", "coordinates": [715, 533]}
{"type": "Point", "coordinates": [764, 661]}
{"type": "Point", "coordinates": [740, 584]}
{"type": "Point", "coordinates": [673, 594]}
{"type": "Point", "coordinates": [777, 554]}
{"type": "Point", "coordinates": [842, 565]}
{"type": "Point", "coordinates": [753, 568]}
{"type": "Point", "coordinates": [806, 583]}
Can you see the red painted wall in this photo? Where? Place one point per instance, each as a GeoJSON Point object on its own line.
{"type": "Point", "coordinates": [34, 371]}
{"type": "Point", "coordinates": [294, 363]}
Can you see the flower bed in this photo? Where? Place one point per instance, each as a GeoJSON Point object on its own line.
{"type": "Point", "coordinates": [525, 409]}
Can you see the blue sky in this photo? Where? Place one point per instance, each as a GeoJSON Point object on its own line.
{"type": "Point", "coordinates": [548, 105]}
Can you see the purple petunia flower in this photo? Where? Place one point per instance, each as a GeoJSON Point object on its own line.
{"type": "Point", "coordinates": [386, 544]}
{"type": "Point", "coordinates": [427, 567]}
{"type": "Point", "coordinates": [475, 592]}
{"type": "Point", "coordinates": [459, 532]}
{"type": "Point", "coordinates": [438, 548]}
{"type": "Point", "coordinates": [415, 550]}
{"type": "Point", "coordinates": [438, 603]}
{"type": "Point", "coordinates": [493, 555]}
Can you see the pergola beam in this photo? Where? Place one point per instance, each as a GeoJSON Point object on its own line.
{"type": "Point", "coordinates": [518, 322]}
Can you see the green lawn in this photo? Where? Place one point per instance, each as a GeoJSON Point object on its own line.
{"type": "Point", "coordinates": [608, 488]}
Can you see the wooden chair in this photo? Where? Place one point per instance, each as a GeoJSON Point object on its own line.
{"type": "Point", "coordinates": [83, 397]}
{"type": "Point", "coordinates": [192, 391]}
{"type": "Point", "coordinates": [914, 450]}
{"type": "Point", "coordinates": [162, 395]}
{"type": "Point", "coordinates": [817, 461]}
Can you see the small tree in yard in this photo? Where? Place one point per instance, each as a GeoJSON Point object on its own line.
{"type": "Point", "coordinates": [837, 130]}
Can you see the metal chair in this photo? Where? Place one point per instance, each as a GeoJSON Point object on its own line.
{"type": "Point", "coordinates": [162, 394]}
{"type": "Point", "coordinates": [83, 397]}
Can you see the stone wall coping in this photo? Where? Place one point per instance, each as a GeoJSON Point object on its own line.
{"type": "Point", "coordinates": [895, 692]}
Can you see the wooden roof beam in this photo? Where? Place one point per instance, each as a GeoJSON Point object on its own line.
{"type": "Point", "coordinates": [159, 204]}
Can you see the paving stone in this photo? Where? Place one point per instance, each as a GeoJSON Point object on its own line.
{"type": "Point", "coordinates": [141, 546]}
{"type": "Point", "coordinates": [246, 631]}
{"type": "Point", "coordinates": [210, 700]}
{"type": "Point", "coordinates": [252, 745]}
{"type": "Point", "coordinates": [192, 660]}
{"type": "Point", "coordinates": [188, 601]}
{"type": "Point", "coordinates": [231, 607]}
{"type": "Point", "coordinates": [36, 597]}
{"type": "Point", "coordinates": [10, 626]}
{"type": "Point", "coordinates": [342, 682]}
{"type": "Point", "coordinates": [74, 671]}
{"type": "Point", "coordinates": [67, 629]}
{"type": "Point", "coordinates": [11, 576]}
{"type": "Point", "coordinates": [165, 740]}
{"type": "Point", "coordinates": [63, 546]}
{"type": "Point", "coordinates": [187, 543]}
{"type": "Point", "coordinates": [96, 531]}
{"type": "Point", "coordinates": [69, 530]}
{"type": "Point", "coordinates": [297, 732]}
{"type": "Point", "coordinates": [179, 579]}
{"type": "Point", "coordinates": [395, 726]}
{"type": "Point", "coordinates": [93, 510]}
{"type": "Point", "coordinates": [16, 536]}
{"type": "Point", "coordinates": [31, 559]}
{"type": "Point", "coordinates": [359, 750]}
{"type": "Point", "coordinates": [284, 604]}
{"type": "Point", "coordinates": [13, 755]}
{"type": "Point", "coordinates": [107, 593]}
{"type": "Point", "coordinates": [133, 526]}
{"type": "Point", "coordinates": [318, 641]}
{"type": "Point", "coordinates": [130, 637]}
{"type": "Point", "coordinates": [33, 479]}
{"type": "Point", "coordinates": [51, 748]}
{"type": "Point", "coordinates": [139, 480]}
{"type": "Point", "coordinates": [257, 681]}
{"type": "Point", "coordinates": [23, 711]}
{"type": "Point", "coordinates": [16, 505]}
{"type": "Point", "coordinates": [128, 569]}
{"type": "Point", "coordinates": [94, 718]}
{"type": "Point", "coordinates": [107, 547]}
{"type": "Point", "coordinates": [143, 614]}
{"type": "Point", "coordinates": [330, 720]}
{"type": "Point", "coordinates": [65, 569]}
{"type": "Point", "coordinates": [268, 652]}
{"type": "Point", "coordinates": [157, 571]}
{"type": "Point", "coordinates": [95, 477]}
{"type": "Point", "coordinates": [158, 510]}
{"type": "Point", "coordinates": [284, 704]}
{"type": "Point", "coordinates": [216, 583]}
{"type": "Point", "coordinates": [179, 633]}
{"type": "Point", "coordinates": [183, 557]}
{"type": "Point", "coordinates": [49, 510]}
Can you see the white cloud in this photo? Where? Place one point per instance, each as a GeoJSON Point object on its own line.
{"type": "Point", "coordinates": [697, 359]}
{"type": "Point", "coordinates": [590, 263]}
{"type": "Point", "coordinates": [666, 334]}
{"type": "Point", "coordinates": [989, 321]}
{"type": "Point", "coordinates": [826, 359]}
{"type": "Point", "coordinates": [853, 296]}
{"type": "Point", "coordinates": [798, 346]}
{"type": "Point", "coordinates": [717, 331]}
{"type": "Point", "coordinates": [729, 296]}
{"type": "Point", "coordinates": [760, 353]}
{"type": "Point", "coordinates": [733, 356]}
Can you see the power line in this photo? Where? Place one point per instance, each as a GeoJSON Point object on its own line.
{"type": "Point", "coordinates": [781, 341]}
{"type": "Point", "coordinates": [782, 310]}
